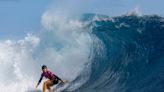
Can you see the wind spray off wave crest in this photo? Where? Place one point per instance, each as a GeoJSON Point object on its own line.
{"type": "Point", "coordinates": [72, 41]}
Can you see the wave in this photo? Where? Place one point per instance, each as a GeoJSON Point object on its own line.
{"type": "Point", "coordinates": [128, 55]}
{"type": "Point", "coordinates": [96, 53]}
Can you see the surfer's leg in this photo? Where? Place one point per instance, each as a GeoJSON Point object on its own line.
{"type": "Point", "coordinates": [44, 87]}
{"type": "Point", "coordinates": [47, 85]}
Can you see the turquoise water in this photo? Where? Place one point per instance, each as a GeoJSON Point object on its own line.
{"type": "Point", "coordinates": [129, 56]}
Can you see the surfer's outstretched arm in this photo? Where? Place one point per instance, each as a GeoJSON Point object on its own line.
{"type": "Point", "coordinates": [60, 79]}
{"type": "Point", "coordinates": [39, 81]}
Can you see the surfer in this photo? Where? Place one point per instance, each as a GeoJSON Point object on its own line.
{"type": "Point", "coordinates": [53, 79]}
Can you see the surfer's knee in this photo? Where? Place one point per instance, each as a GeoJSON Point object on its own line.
{"type": "Point", "coordinates": [45, 84]}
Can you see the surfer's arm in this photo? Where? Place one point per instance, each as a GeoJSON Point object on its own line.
{"type": "Point", "coordinates": [39, 81]}
{"type": "Point", "coordinates": [59, 78]}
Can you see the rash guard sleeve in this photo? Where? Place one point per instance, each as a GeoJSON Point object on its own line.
{"type": "Point", "coordinates": [40, 79]}
{"type": "Point", "coordinates": [54, 75]}
{"type": "Point", "coordinates": [58, 77]}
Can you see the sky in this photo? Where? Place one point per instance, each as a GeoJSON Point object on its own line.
{"type": "Point", "coordinates": [19, 17]}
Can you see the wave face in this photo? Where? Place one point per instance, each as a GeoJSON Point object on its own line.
{"type": "Point", "coordinates": [128, 55]}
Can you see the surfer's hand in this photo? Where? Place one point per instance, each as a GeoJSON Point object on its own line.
{"type": "Point", "coordinates": [37, 85]}
{"type": "Point", "coordinates": [62, 82]}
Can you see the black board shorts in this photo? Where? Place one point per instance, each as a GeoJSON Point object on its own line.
{"type": "Point", "coordinates": [55, 81]}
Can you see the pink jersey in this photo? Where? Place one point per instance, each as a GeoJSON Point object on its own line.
{"type": "Point", "coordinates": [48, 75]}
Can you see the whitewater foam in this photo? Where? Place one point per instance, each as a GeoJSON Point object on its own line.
{"type": "Point", "coordinates": [63, 47]}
